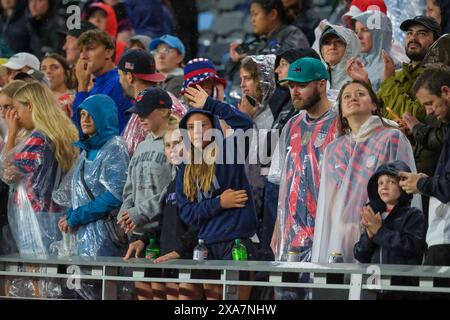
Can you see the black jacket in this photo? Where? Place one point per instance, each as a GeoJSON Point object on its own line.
{"type": "Point", "coordinates": [173, 233]}
{"type": "Point", "coordinates": [44, 37]}
{"type": "Point", "coordinates": [438, 185]}
{"type": "Point", "coordinates": [429, 139]}
{"type": "Point", "coordinates": [13, 30]}
{"type": "Point", "coordinates": [401, 239]}
{"type": "Point", "coordinates": [282, 109]}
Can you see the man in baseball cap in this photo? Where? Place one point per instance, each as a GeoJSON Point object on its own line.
{"type": "Point", "coordinates": [135, 65]}
{"type": "Point", "coordinates": [306, 134]}
{"type": "Point", "coordinates": [427, 22]}
{"type": "Point", "coordinates": [307, 81]}
{"type": "Point", "coordinates": [396, 91]}
{"type": "Point", "coordinates": [136, 72]}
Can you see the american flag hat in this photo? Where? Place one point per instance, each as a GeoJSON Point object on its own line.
{"type": "Point", "coordinates": [198, 70]}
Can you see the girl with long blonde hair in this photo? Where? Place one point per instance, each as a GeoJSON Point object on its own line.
{"type": "Point", "coordinates": [213, 193]}
{"type": "Point", "coordinates": [36, 166]}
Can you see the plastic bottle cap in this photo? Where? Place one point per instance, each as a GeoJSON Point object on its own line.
{"type": "Point", "coordinates": [237, 241]}
{"type": "Point", "coordinates": [200, 241]}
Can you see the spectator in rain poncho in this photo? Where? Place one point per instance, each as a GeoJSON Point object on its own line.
{"type": "Point", "coordinates": [295, 166]}
{"type": "Point", "coordinates": [374, 30]}
{"type": "Point", "coordinates": [104, 160]}
{"type": "Point", "coordinates": [347, 164]}
{"type": "Point", "coordinates": [258, 83]}
{"type": "Point", "coordinates": [35, 166]}
{"type": "Point", "coordinates": [337, 45]}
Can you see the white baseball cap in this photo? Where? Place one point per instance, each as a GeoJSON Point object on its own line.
{"type": "Point", "coordinates": [22, 59]}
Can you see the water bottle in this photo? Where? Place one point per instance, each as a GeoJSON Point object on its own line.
{"type": "Point", "coordinates": [239, 251]}
{"type": "Point", "coordinates": [200, 251]}
{"type": "Point", "coordinates": [152, 251]}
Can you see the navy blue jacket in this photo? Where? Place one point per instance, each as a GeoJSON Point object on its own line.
{"type": "Point", "coordinates": [217, 224]}
{"type": "Point", "coordinates": [401, 239]}
{"type": "Point", "coordinates": [438, 185]}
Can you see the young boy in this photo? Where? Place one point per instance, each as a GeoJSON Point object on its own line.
{"type": "Point", "coordinates": [149, 172]}
{"type": "Point", "coordinates": [394, 231]}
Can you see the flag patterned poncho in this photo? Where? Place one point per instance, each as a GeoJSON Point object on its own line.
{"type": "Point", "coordinates": [32, 214]}
{"type": "Point", "coordinates": [347, 166]}
{"type": "Point", "coordinates": [301, 147]}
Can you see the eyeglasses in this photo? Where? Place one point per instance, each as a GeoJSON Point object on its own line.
{"type": "Point", "coordinates": [333, 42]}
{"type": "Point", "coordinates": [164, 51]}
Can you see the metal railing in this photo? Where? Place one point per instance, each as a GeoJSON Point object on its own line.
{"type": "Point", "coordinates": [356, 277]}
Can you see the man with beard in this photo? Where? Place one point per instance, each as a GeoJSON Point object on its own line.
{"type": "Point", "coordinates": [296, 165]}
{"type": "Point", "coordinates": [396, 90]}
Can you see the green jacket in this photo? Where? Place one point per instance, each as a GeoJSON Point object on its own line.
{"type": "Point", "coordinates": [396, 93]}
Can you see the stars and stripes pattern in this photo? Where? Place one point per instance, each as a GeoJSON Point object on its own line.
{"type": "Point", "coordinates": [198, 70]}
{"type": "Point", "coordinates": [307, 139]}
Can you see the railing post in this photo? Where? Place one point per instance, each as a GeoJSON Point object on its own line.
{"type": "Point", "coordinates": [355, 286]}
{"type": "Point", "coordinates": [109, 288]}
{"type": "Point", "coordinates": [230, 292]}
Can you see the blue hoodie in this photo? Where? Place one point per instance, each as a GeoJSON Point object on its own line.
{"type": "Point", "coordinates": [107, 84]}
{"type": "Point", "coordinates": [103, 111]}
{"type": "Point", "coordinates": [217, 224]}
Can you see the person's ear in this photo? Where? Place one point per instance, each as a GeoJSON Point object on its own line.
{"type": "Point", "coordinates": [445, 93]}
{"type": "Point", "coordinates": [273, 15]}
{"type": "Point", "coordinates": [129, 77]}
{"type": "Point", "coordinates": [109, 53]}
{"type": "Point", "coordinates": [179, 59]}
{"type": "Point", "coordinates": [30, 106]}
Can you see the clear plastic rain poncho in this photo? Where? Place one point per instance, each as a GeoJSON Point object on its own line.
{"type": "Point", "coordinates": [32, 172]}
{"type": "Point", "coordinates": [133, 134]}
{"type": "Point", "coordinates": [263, 120]}
{"type": "Point", "coordinates": [347, 165]}
{"type": "Point", "coordinates": [301, 146]}
{"type": "Point", "coordinates": [338, 73]}
{"type": "Point", "coordinates": [380, 28]}
{"type": "Point", "coordinates": [105, 173]}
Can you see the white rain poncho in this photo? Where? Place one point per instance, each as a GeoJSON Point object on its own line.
{"type": "Point", "coordinates": [301, 146]}
{"type": "Point", "coordinates": [105, 173]}
{"type": "Point", "coordinates": [348, 163]}
{"type": "Point", "coordinates": [381, 39]}
{"type": "Point", "coordinates": [338, 73]}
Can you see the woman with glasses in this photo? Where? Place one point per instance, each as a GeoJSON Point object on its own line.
{"type": "Point", "coordinates": [336, 46]}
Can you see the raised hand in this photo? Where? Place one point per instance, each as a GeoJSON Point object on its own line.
{"type": "Point", "coordinates": [196, 96]}
{"type": "Point", "coordinates": [356, 70]}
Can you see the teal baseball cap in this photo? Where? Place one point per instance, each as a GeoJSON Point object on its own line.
{"type": "Point", "coordinates": [306, 70]}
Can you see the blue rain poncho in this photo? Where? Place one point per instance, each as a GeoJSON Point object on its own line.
{"type": "Point", "coordinates": [105, 158]}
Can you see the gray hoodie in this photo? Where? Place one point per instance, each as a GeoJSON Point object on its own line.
{"type": "Point", "coordinates": [338, 73]}
{"type": "Point", "coordinates": [149, 173]}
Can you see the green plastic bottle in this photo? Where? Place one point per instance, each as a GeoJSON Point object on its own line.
{"type": "Point", "coordinates": [239, 251]}
{"type": "Point", "coordinates": [152, 251]}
